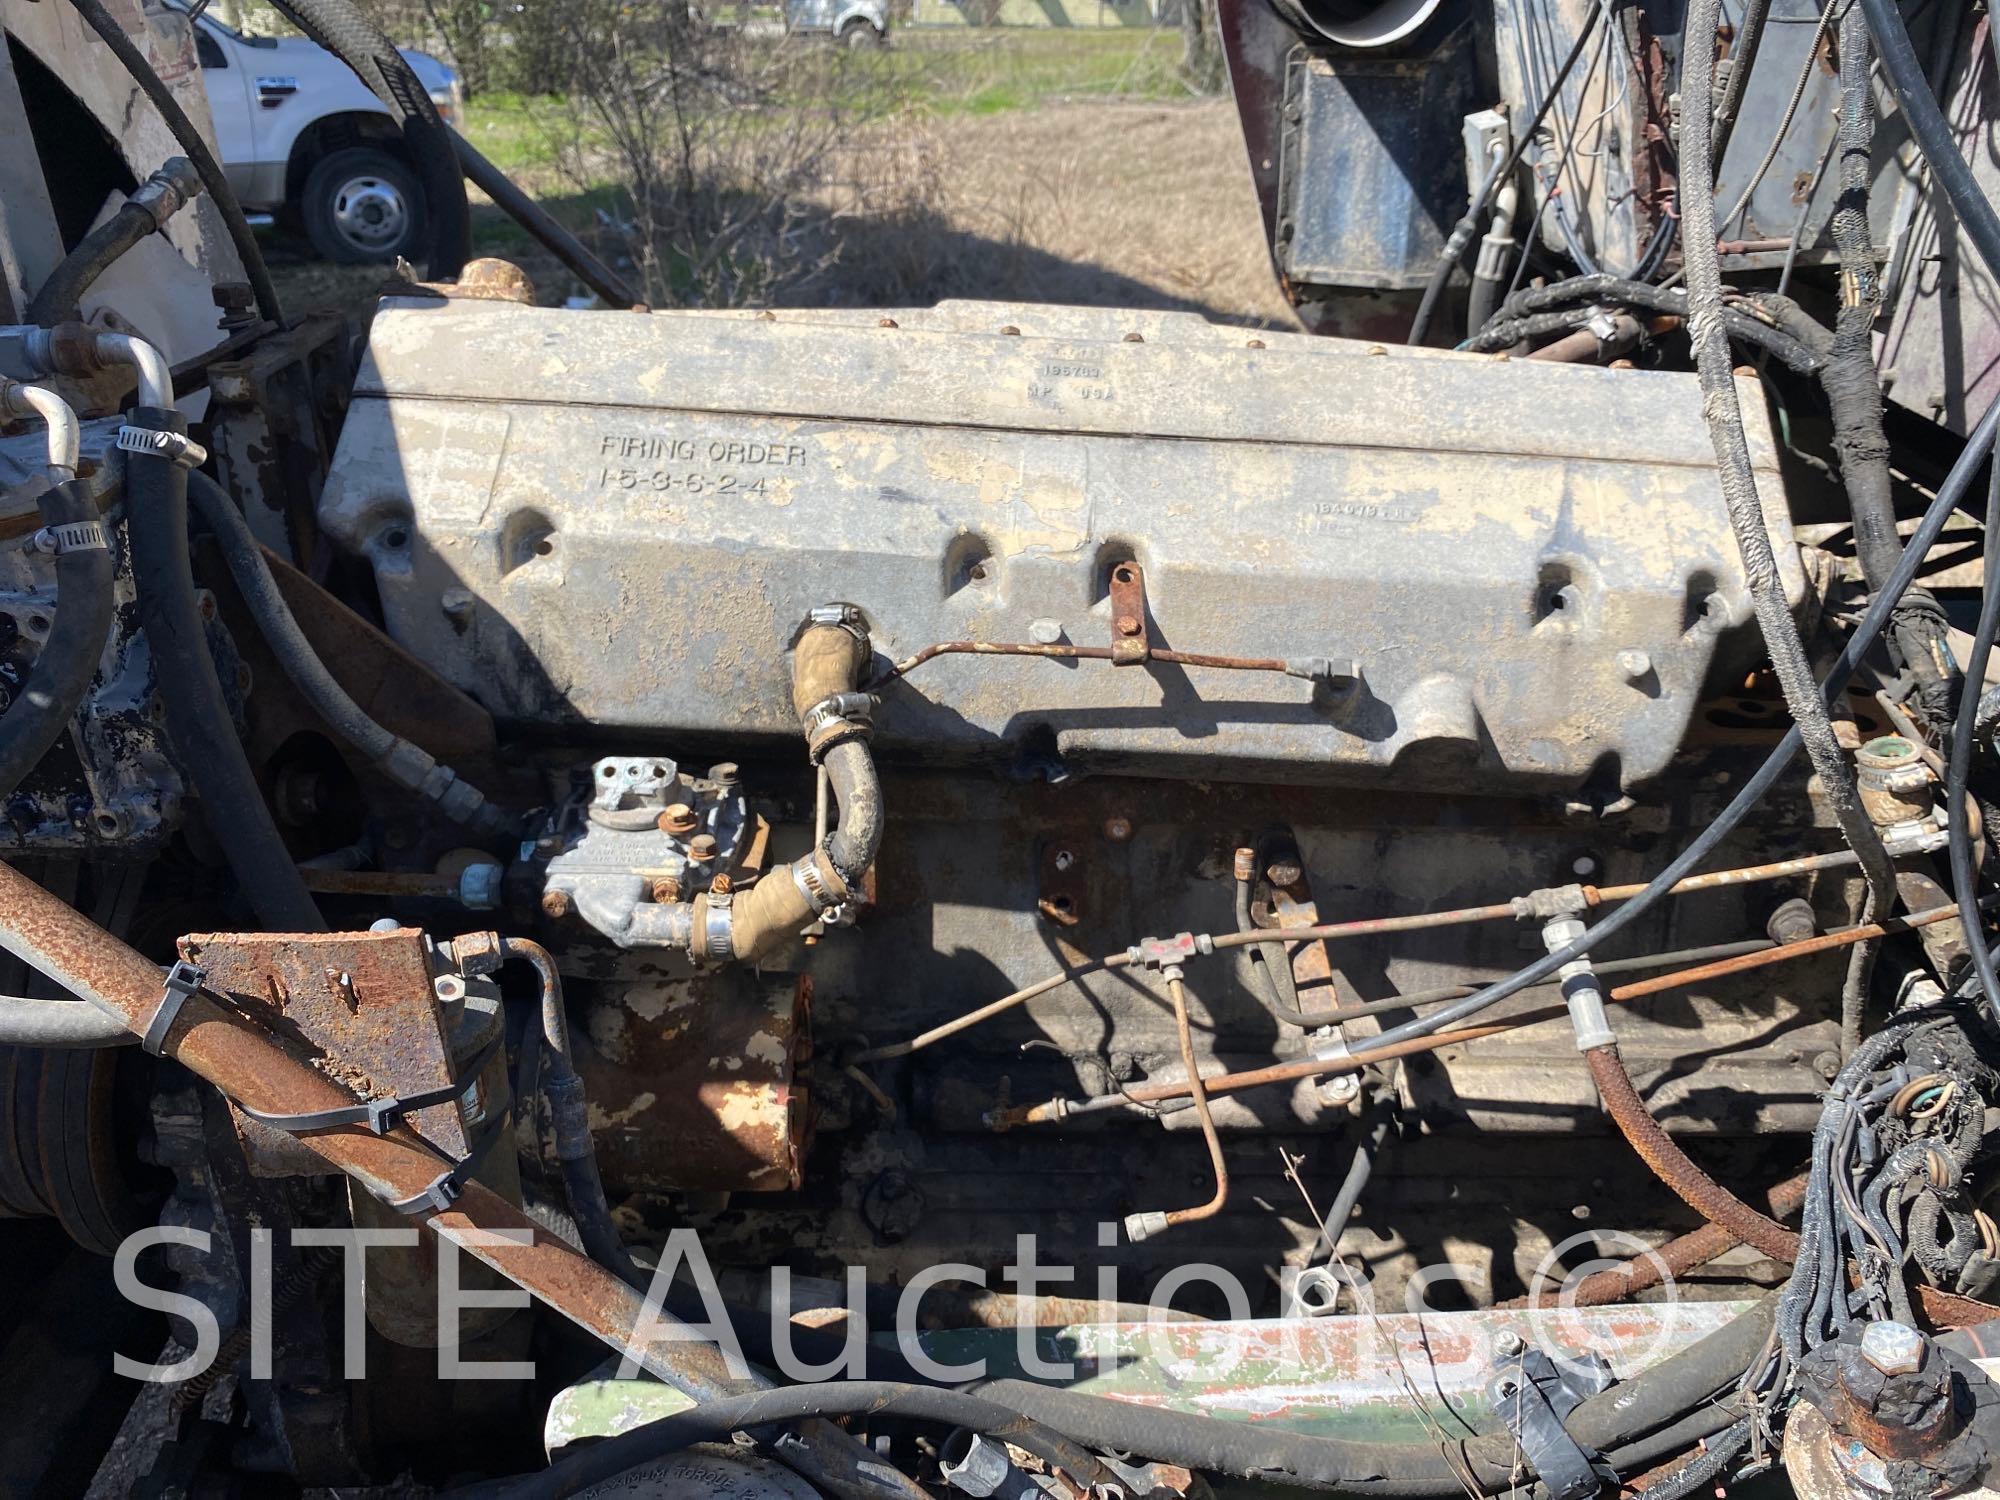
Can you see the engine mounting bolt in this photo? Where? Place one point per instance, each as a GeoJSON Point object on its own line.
{"type": "Point", "coordinates": [702, 848]}
{"type": "Point", "coordinates": [666, 890]}
{"type": "Point", "coordinates": [1045, 632]}
{"type": "Point", "coordinates": [555, 905]}
{"type": "Point", "coordinates": [1893, 1348]}
{"type": "Point", "coordinates": [1636, 665]}
{"type": "Point", "coordinates": [1118, 829]}
{"type": "Point", "coordinates": [1285, 871]}
{"type": "Point", "coordinates": [1127, 624]}
{"type": "Point", "coordinates": [678, 820]}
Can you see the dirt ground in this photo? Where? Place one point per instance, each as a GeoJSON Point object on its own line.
{"type": "Point", "coordinates": [1100, 202]}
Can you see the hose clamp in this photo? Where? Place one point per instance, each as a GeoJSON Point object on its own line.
{"type": "Point", "coordinates": [183, 982]}
{"type": "Point", "coordinates": [847, 616]}
{"type": "Point", "coordinates": [717, 929]}
{"type": "Point", "coordinates": [71, 536]}
{"type": "Point", "coordinates": [812, 885]}
{"type": "Point", "coordinates": [177, 446]}
{"type": "Point", "coordinates": [836, 719]}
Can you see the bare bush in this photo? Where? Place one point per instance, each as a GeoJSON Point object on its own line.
{"type": "Point", "coordinates": [715, 140]}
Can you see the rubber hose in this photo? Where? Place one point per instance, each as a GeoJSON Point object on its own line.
{"type": "Point", "coordinates": [397, 758]}
{"type": "Point", "coordinates": [68, 660]}
{"type": "Point", "coordinates": [191, 141]}
{"type": "Point", "coordinates": [1453, 251]}
{"type": "Point", "coordinates": [26, 1022]}
{"type": "Point", "coordinates": [57, 297]}
{"type": "Point", "coordinates": [1705, 1467]}
{"type": "Point", "coordinates": [531, 216]}
{"type": "Point", "coordinates": [569, 1120]}
{"type": "Point", "coordinates": [198, 716]}
{"type": "Point", "coordinates": [1267, 967]}
{"type": "Point", "coordinates": [343, 29]}
{"type": "Point", "coordinates": [1724, 418]}
{"type": "Point", "coordinates": [857, 791]}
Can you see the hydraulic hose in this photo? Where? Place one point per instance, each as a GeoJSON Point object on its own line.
{"type": "Point", "coordinates": [344, 30]}
{"type": "Point", "coordinates": [1958, 768]}
{"type": "Point", "coordinates": [1453, 250]}
{"type": "Point", "coordinates": [157, 200]}
{"type": "Point", "coordinates": [1271, 972]}
{"type": "Point", "coordinates": [26, 1022]}
{"type": "Point", "coordinates": [1854, 388]}
{"type": "Point", "coordinates": [67, 661]}
{"type": "Point", "coordinates": [1784, 343]}
{"type": "Point", "coordinates": [1650, 1401]}
{"type": "Point", "coordinates": [406, 764]}
{"type": "Point", "coordinates": [531, 216]}
{"type": "Point", "coordinates": [1743, 57]}
{"type": "Point", "coordinates": [191, 141]}
{"type": "Point", "coordinates": [198, 716]}
{"type": "Point", "coordinates": [569, 1120]}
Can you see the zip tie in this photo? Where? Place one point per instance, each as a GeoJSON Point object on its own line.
{"type": "Point", "coordinates": [377, 1116]}
{"type": "Point", "coordinates": [183, 982]}
{"type": "Point", "coordinates": [182, 449]}
{"type": "Point", "coordinates": [449, 1185]}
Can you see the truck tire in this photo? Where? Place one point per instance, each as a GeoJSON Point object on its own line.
{"type": "Point", "coordinates": [362, 205]}
{"type": "Point", "coordinates": [857, 35]}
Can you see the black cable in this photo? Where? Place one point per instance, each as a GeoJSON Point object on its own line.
{"type": "Point", "coordinates": [41, 713]}
{"type": "Point", "coordinates": [198, 716]}
{"type": "Point", "coordinates": [191, 141]}
{"type": "Point", "coordinates": [1484, 197]}
{"type": "Point", "coordinates": [343, 29]}
{"type": "Point", "coordinates": [1753, 791]}
{"type": "Point", "coordinates": [1927, 125]}
{"type": "Point", "coordinates": [145, 213]}
{"type": "Point", "coordinates": [394, 757]}
{"type": "Point", "coordinates": [1958, 768]}
{"type": "Point", "coordinates": [531, 216]}
{"type": "Point", "coordinates": [1452, 252]}
{"type": "Point", "coordinates": [1705, 1467]}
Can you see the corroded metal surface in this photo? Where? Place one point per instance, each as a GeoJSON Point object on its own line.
{"type": "Point", "coordinates": [695, 1083]}
{"type": "Point", "coordinates": [564, 569]}
{"type": "Point", "coordinates": [363, 1001]}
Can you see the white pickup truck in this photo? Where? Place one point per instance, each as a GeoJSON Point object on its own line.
{"type": "Point", "coordinates": [300, 136]}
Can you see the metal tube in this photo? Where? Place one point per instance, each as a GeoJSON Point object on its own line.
{"type": "Point", "coordinates": [249, 1066]}
{"type": "Point", "coordinates": [65, 438]}
{"type": "Point", "coordinates": [1144, 1226]}
{"type": "Point", "coordinates": [156, 380]}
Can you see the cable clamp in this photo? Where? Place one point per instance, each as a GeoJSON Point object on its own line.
{"type": "Point", "coordinates": [71, 536]}
{"type": "Point", "coordinates": [376, 1116]}
{"type": "Point", "coordinates": [182, 449]}
{"type": "Point", "coordinates": [183, 982]}
{"type": "Point", "coordinates": [1533, 1397]}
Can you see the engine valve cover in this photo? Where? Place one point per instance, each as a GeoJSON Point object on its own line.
{"type": "Point", "coordinates": [622, 519]}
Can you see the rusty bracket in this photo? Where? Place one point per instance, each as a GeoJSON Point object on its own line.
{"type": "Point", "coordinates": [1131, 627]}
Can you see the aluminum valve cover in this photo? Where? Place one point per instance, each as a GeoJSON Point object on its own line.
{"type": "Point", "coordinates": [621, 519]}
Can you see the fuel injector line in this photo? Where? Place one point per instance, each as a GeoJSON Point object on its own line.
{"type": "Point", "coordinates": [404, 763]}
{"type": "Point", "coordinates": [1144, 1226]}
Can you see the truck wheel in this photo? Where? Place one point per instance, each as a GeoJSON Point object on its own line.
{"type": "Point", "coordinates": [858, 35]}
{"type": "Point", "coordinates": [361, 205]}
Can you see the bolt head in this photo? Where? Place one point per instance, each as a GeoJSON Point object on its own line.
{"type": "Point", "coordinates": [555, 905]}
{"type": "Point", "coordinates": [1045, 632]}
{"type": "Point", "coordinates": [1127, 624]}
{"type": "Point", "coordinates": [1893, 1348]}
{"type": "Point", "coordinates": [1118, 829]}
{"type": "Point", "coordinates": [703, 847]}
{"type": "Point", "coordinates": [1284, 873]}
{"type": "Point", "coordinates": [1636, 665]}
{"type": "Point", "coordinates": [678, 819]}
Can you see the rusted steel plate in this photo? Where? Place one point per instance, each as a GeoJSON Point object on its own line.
{"type": "Point", "coordinates": [362, 1000]}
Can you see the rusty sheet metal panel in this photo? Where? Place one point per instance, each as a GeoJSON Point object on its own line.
{"type": "Point", "coordinates": [621, 519]}
{"type": "Point", "coordinates": [695, 1083]}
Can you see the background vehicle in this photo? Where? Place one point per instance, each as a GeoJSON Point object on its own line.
{"type": "Point", "coordinates": [300, 135]}
{"type": "Point", "coordinates": [852, 23]}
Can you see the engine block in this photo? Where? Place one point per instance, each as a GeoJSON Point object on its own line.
{"type": "Point", "coordinates": [621, 519]}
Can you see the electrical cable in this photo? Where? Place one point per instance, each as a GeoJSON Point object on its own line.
{"type": "Point", "coordinates": [213, 180]}
{"type": "Point", "coordinates": [1964, 731]}
{"type": "Point", "coordinates": [1451, 253]}
{"type": "Point", "coordinates": [1785, 121]}
{"type": "Point", "coordinates": [1514, 158]}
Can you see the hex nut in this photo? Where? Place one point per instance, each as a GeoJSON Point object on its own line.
{"type": "Point", "coordinates": [1893, 1348]}
{"type": "Point", "coordinates": [678, 820]}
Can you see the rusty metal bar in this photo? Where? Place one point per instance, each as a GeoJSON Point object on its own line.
{"type": "Point", "coordinates": [1064, 652]}
{"type": "Point", "coordinates": [249, 1066]}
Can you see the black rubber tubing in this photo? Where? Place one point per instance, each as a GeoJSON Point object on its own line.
{"type": "Point", "coordinates": [198, 716]}
{"type": "Point", "coordinates": [245, 558]}
{"type": "Point", "coordinates": [69, 656]}
{"type": "Point", "coordinates": [508, 197]}
{"type": "Point", "coordinates": [57, 298]}
{"type": "Point", "coordinates": [191, 141]}
{"type": "Point", "coordinates": [344, 30]}
{"type": "Point", "coordinates": [1657, 1398]}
